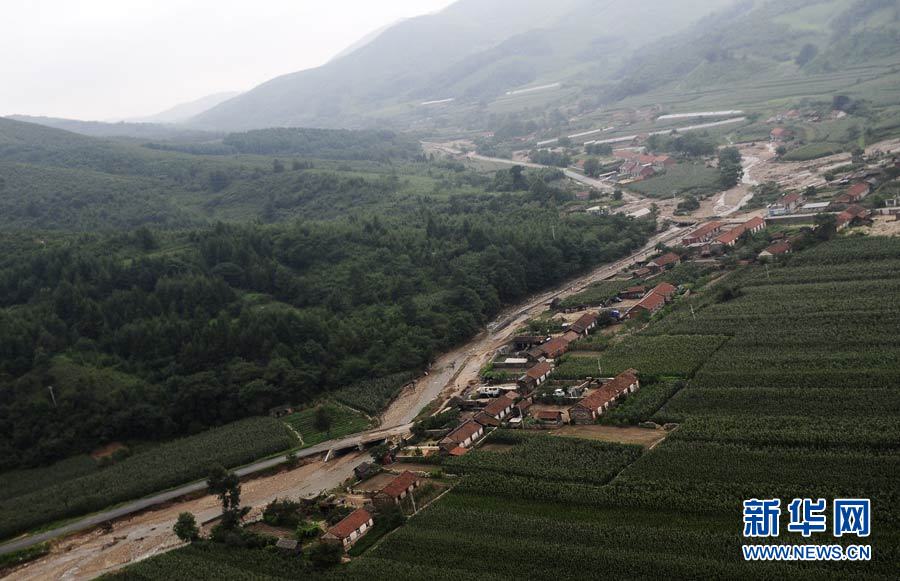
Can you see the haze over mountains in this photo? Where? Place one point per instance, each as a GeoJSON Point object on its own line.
{"type": "Point", "coordinates": [468, 56]}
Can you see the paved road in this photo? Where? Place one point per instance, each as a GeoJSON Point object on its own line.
{"type": "Point", "coordinates": [144, 503]}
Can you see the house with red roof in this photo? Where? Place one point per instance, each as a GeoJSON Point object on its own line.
{"type": "Point", "coordinates": [781, 134]}
{"type": "Point", "coordinates": [499, 408]}
{"type": "Point", "coordinates": [549, 418]}
{"type": "Point", "coordinates": [857, 192]}
{"type": "Point", "coordinates": [397, 489]}
{"type": "Point", "coordinates": [350, 529]}
{"type": "Point", "coordinates": [650, 304]}
{"type": "Point", "coordinates": [666, 291]}
{"type": "Point", "coordinates": [463, 436]}
{"type": "Point", "coordinates": [664, 262]}
{"type": "Point", "coordinates": [585, 324]}
{"type": "Point", "coordinates": [535, 376]}
{"type": "Point", "coordinates": [704, 233]}
{"type": "Point", "coordinates": [751, 226]}
{"type": "Point", "coordinates": [595, 404]}
{"type": "Point", "coordinates": [779, 248]}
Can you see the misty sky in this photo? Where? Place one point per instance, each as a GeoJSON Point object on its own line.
{"type": "Point", "coordinates": [110, 59]}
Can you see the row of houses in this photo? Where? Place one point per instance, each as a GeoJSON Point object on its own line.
{"type": "Point", "coordinates": [795, 202]}
{"type": "Point", "coordinates": [655, 300]}
{"type": "Point", "coordinates": [594, 405]}
{"type": "Point", "coordinates": [704, 233]}
{"type": "Point", "coordinates": [731, 237]}
{"type": "Point", "coordinates": [556, 347]}
{"type": "Point", "coordinates": [659, 264]}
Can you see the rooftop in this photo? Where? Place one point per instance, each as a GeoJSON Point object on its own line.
{"type": "Point", "coordinates": [351, 523]}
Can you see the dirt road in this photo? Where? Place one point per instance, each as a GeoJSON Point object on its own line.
{"type": "Point", "coordinates": [455, 369]}
{"type": "Point", "coordinates": [93, 553]}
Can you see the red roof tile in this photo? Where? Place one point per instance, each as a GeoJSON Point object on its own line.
{"type": "Point", "coordinates": [583, 322]}
{"type": "Point", "coordinates": [351, 523]}
{"type": "Point", "coordinates": [666, 259]}
{"type": "Point", "coordinates": [497, 406]}
{"type": "Point", "coordinates": [463, 432]}
{"type": "Point", "coordinates": [651, 302]}
{"type": "Point", "coordinates": [548, 416]}
{"type": "Point", "coordinates": [539, 370]}
{"type": "Point", "coordinates": [400, 484]}
{"type": "Point", "coordinates": [782, 247]}
{"type": "Point", "coordinates": [860, 189]}
{"type": "Point", "coordinates": [664, 289]}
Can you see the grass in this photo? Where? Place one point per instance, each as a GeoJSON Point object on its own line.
{"type": "Point", "coordinates": [813, 151]}
{"type": "Point", "coordinates": [684, 178]}
{"type": "Point", "coordinates": [343, 422]}
{"type": "Point", "coordinates": [22, 556]}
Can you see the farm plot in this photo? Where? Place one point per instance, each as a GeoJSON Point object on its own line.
{"type": "Point", "coordinates": [780, 407]}
{"type": "Point", "coordinates": [327, 422]}
{"type": "Point", "coordinates": [651, 355]}
{"type": "Point", "coordinates": [159, 468]}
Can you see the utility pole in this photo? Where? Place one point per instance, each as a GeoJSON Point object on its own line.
{"type": "Point", "coordinates": [693, 314]}
{"type": "Point", "coordinates": [412, 497]}
{"type": "Point", "coordinates": [52, 396]}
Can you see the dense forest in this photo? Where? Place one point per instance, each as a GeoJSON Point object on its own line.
{"type": "Point", "coordinates": [122, 336]}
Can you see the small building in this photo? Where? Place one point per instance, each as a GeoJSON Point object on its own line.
{"type": "Point", "coordinates": [401, 486]}
{"type": "Point", "coordinates": [815, 207]}
{"type": "Point", "coordinates": [665, 290]}
{"type": "Point", "coordinates": [585, 324]}
{"type": "Point", "coordinates": [751, 226]}
{"type": "Point", "coordinates": [642, 272]}
{"type": "Point", "coordinates": [289, 546]}
{"type": "Point", "coordinates": [549, 419]}
{"type": "Point", "coordinates": [780, 134]}
{"type": "Point", "coordinates": [857, 192]}
{"type": "Point", "coordinates": [634, 292]}
{"type": "Point", "coordinates": [499, 408]}
{"type": "Point", "coordinates": [350, 529]}
{"type": "Point", "coordinates": [592, 407]}
{"type": "Point", "coordinates": [702, 234]}
{"type": "Point", "coordinates": [787, 204]}
{"type": "Point", "coordinates": [854, 212]}
{"type": "Point", "coordinates": [650, 304]}
{"type": "Point", "coordinates": [779, 248]}
{"type": "Point", "coordinates": [463, 436]}
{"type": "Point", "coordinates": [555, 348]}
{"type": "Point", "coordinates": [486, 420]}
{"type": "Point", "coordinates": [665, 262]}
{"type": "Point", "coordinates": [535, 376]}
{"type": "Point", "coordinates": [891, 207]}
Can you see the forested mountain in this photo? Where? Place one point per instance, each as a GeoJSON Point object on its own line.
{"type": "Point", "coordinates": [125, 130]}
{"type": "Point", "coordinates": [153, 335]}
{"type": "Point", "coordinates": [52, 179]}
{"type": "Point", "coordinates": [473, 50]}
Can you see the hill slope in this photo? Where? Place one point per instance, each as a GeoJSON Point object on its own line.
{"type": "Point", "coordinates": [474, 49]}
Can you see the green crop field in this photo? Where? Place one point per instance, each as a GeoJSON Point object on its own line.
{"type": "Point", "coordinates": [651, 355]}
{"type": "Point", "coordinates": [343, 422]}
{"type": "Point", "coordinates": [72, 487]}
{"type": "Point", "coordinates": [684, 178]}
{"type": "Point", "coordinates": [797, 395]}
{"type": "Point", "coordinates": [596, 294]}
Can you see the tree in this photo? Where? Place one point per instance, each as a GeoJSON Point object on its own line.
{"type": "Point", "coordinates": [218, 180]}
{"type": "Point", "coordinates": [186, 528]}
{"type": "Point", "coordinates": [277, 166]}
{"type": "Point", "coordinates": [826, 226]}
{"type": "Point", "coordinates": [780, 150]}
{"type": "Point", "coordinates": [324, 555]}
{"type": "Point", "coordinates": [379, 452]}
{"type": "Point", "coordinates": [592, 167]}
{"type": "Point", "coordinates": [730, 169]}
{"type": "Point", "coordinates": [227, 486]}
{"type": "Point", "coordinates": [617, 195]}
{"type": "Point", "coordinates": [807, 53]}
{"type": "Point", "coordinates": [322, 419]}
